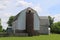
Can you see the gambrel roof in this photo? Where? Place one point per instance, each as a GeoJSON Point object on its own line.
{"type": "Point", "coordinates": [27, 9]}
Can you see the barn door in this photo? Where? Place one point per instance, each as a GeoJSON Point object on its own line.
{"type": "Point", "coordinates": [29, 23]}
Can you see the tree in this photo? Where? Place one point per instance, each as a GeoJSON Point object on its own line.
{"type": "Point", "coordinates": [10, 21]}
{"type": "Point", "coordinates": [51, 20]}
{"type": "Point", "coordinates": [56, 27]}
{"type": "Point", "coordinates": [3, 30]}
{"type": "Point", "coordinates": [0, 26]}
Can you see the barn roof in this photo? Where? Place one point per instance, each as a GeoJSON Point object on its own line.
{"type": "Point", "coordinates": [44, 20]}
{"type": "Point", "coordinates": [29, 8]}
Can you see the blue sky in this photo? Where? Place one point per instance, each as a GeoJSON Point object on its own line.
{"type": "Point", "coordinates": [43, 7]}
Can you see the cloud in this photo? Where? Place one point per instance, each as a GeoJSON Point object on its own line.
{"type": "Point", "coordinates": [56, 17]}
{"type": "Point", "coordinates": [37, 8]}
{"type": "Point", "coordinates": [4, 22]}
{"type": "Point", "coordinates": [4, 17]}
{"type": "Point", "coordinates": [23, 3]}
{"type": "Point", "coordinates": [3, 4]}
{"type": "Point", "coordinates": [2, 7]}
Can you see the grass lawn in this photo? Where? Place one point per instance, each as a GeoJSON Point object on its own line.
{"type": "Point", "coordinates": [41, 37]}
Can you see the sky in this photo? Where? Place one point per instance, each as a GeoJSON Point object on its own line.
{"type": "Point", "coordinates": [43, 7]}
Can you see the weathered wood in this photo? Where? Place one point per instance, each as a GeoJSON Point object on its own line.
{"type": "Point", "coordinates": [29, 23]}
{"type": "Point", "coordinates": [21, 34]}
{"type": "Point", "coordinates": [3, 34]}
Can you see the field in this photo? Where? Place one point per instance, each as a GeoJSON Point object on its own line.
{"type": "Point", "coordinates": [40, 37]}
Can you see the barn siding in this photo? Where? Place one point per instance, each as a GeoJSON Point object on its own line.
{"type": "Point", "coordinates": [14, 25]}
{"type": "Point", "coordinates": [21, 21]}
{"type": "Point", "coordinates": [36, 22]}
{"type": "Point", "coordinates": [29, 23]}
{"type": "Point", "coordinates": [44, 29]}
{"type": "Point", "coordinates": [44, 25]}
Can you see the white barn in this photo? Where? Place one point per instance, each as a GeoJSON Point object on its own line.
{"type": "Point", "coordinates": [28, 21]}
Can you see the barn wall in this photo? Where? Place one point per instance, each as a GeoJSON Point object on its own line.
{"type": "Point", "coordinates": [21, 21]}
{"type": "Point", "coordinates": [44, 29]}
{"type": "Point", "coordinates": [36, 22]}
{"type": "Point", "coordinates": [14, 25]}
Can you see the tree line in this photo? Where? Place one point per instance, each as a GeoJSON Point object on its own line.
{"type": "Point", "coordinates": [54, 26]}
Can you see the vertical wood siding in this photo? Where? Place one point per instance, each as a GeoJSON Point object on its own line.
{"type": "Point", "coordinates": [36, 22]}
{"type": "Point", "coordinates": [14, 25]}
{"type": "Point", "coordinates": [29, 23]}
{"type": "Point", "coordinates": [44, 29]}
{"type": "Point", "coordinates": [21, 21]}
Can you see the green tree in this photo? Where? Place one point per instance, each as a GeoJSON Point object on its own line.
{"type": "Point", "coordinates": [56, 27]}
{"type": "Point", "coordinates": [51, 20]}
{"type": "Point", "coordinates": [3, 30]}
{"type": "Point", "coordinates": [0, 26]}
{"type": "Point", "coordinates": [10, 20]}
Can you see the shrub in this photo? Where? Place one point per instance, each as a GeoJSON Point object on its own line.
{"type": "Point", "coordinates": [56, 27]}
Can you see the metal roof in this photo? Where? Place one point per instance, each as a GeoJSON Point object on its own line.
{"type": "Point", "coordinates": [29, 8]}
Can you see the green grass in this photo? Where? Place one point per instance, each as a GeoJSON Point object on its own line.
{"type": "Point", "coordinates": [41, 37]}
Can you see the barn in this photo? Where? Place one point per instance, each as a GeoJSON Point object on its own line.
{"type": "Point", "coordinates": [28, 22]}
{"type": "Point", "coordinates": [44, 26]}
